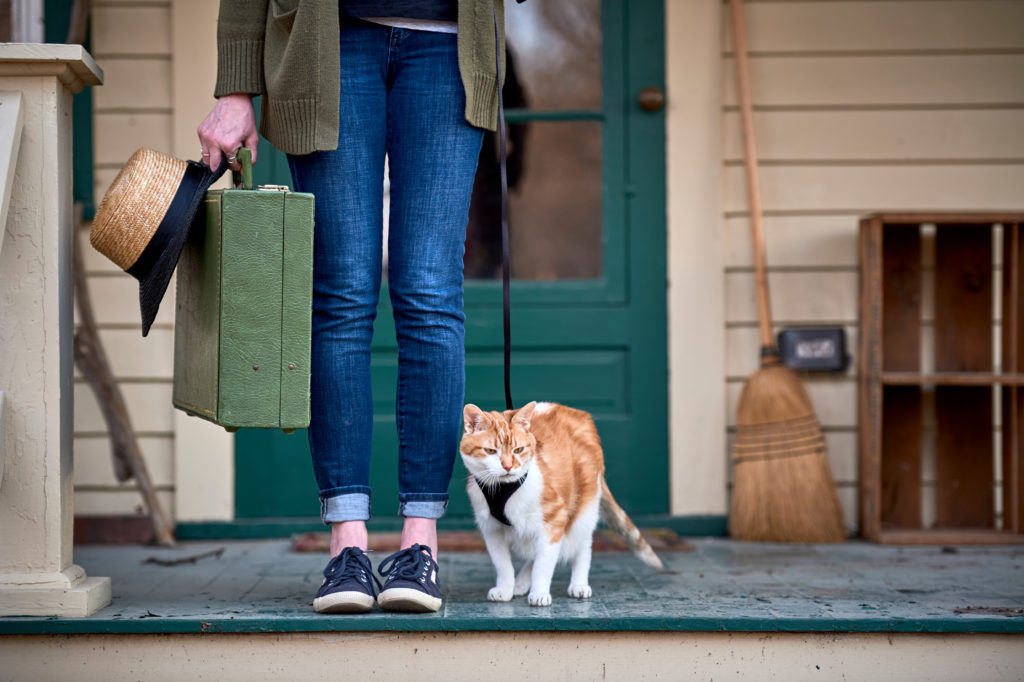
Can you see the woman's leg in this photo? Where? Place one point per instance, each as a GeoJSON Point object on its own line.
{"type": "Point", "coordinates": [432, 156]}
{"type": "Point", "coordinates": [347, 183]}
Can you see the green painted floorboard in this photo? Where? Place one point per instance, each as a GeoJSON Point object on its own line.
{"type": "Point", "coordinates": [258, 586]}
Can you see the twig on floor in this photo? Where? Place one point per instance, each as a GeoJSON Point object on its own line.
{"type": "Point", "coordinates": [185, 559]}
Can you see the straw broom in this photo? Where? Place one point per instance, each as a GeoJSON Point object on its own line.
{"type": "Point", "coordinates": [782, 487]}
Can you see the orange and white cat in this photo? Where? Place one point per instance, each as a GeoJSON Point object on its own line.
{"type": "Point", "coordinates": [543, 469]}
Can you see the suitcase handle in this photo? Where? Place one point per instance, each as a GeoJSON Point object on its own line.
{"type": "Point", "coordinates": [243, 180]}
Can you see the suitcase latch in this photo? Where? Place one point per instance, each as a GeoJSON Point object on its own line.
{"type": "Point", "coordinates": [274, 188]}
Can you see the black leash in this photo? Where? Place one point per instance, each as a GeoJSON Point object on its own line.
{"type": "Point", "coordinates": [506, 269]}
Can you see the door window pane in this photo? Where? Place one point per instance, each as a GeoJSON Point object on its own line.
{"type": "Point", "coordinates": [554, 205]}
{"type": "Point", "coordinates": [556, 52]}
{"type": "Point", "coordinates": [554, 167]}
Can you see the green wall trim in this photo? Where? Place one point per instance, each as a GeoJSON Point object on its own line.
{"type": "Point", "coordinates": [253, 529]}
{"type": "Point", "coordinates": [382, 622]}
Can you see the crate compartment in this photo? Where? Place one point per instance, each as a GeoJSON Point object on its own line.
{"type": "Point", "coordinates": [965, 384]}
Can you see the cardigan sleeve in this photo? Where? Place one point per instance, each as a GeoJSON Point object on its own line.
{"type": "Point", "coordinates": [241, 26]}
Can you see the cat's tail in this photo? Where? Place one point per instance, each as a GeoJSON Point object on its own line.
{"type": "Point", "coordinates": [617, 519]}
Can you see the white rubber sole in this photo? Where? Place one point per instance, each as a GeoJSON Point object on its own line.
{"type": "Point", "coordinates": [344, 602]}
{"type": "Point", "coordinates": [408, 600]}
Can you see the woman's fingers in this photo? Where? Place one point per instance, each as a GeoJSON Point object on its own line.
{"type": "Point", "coordinates": [231, 123]}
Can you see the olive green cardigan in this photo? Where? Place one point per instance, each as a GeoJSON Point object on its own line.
{"type": "Point", "coordinates": [287, 51]}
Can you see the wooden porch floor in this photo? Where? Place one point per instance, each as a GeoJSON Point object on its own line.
{"type": "Point", "coordinates": [261, 586]}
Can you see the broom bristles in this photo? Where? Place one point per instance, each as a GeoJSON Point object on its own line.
{"type": "Point", "coordinates": [782, 486]}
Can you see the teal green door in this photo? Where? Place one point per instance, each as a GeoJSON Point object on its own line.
{"type": "Point", "coordinates": [588, 243]}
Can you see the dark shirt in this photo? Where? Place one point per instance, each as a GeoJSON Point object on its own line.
{"type": "Point", "coordinates": [436, 10]}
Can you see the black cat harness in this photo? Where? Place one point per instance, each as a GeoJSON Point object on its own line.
{"type": "Point", "coordinates": [497, 497]}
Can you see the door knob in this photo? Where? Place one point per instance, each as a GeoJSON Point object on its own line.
{"type": "Point", "coordinates": [651, 99]}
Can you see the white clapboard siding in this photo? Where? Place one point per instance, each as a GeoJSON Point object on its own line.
{"type": "Point", "coordinates": [856, 25]}
{"type": "Point", "coordinates": [132, 42]}
{"type": "Point", "coordinates": [141, 84]}
{"type": "Point", "coordinates": [131, 30]}
{"type": "Point", "coordinates": [117, 136]}
{"type": "Point", "coordinates": [149, 408]}
{"type": "Point", "coordinates": [115, 300]}
{"type": "Point", "coordinates": [795, 240]}
{"type": "Point", "coordinates": [893, 136]}
{"type": "Point", "coordinates": [94, 467]}
{"type": "Point", "coordinates": [796, 297]}
{"type": "Point", "coordinates": [118, 502]}
{"type": "Point", "coordinates": [135, 357]}
{"type": "Point", "coordinates": [863, 107]}
{"type": "Point", "coordinates": [872, 80]}
{"type": "Point", "coordinates": [102, 177]}
{"type": "Point", "coordinates": [95, 262]}
{"type": "Point", "coordinates": [855, 188]}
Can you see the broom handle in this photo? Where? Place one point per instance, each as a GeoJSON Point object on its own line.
{"type": "Point", "coordinates": [764, 310]}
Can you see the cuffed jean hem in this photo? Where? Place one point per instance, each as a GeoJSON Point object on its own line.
{"type": "Point", "coordinates": [424, 509]}
{"type": "Point", "coordinates": [345, 507]}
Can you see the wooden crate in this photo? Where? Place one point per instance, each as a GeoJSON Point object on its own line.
{"type": "Point", "coordinates": [904, 403]}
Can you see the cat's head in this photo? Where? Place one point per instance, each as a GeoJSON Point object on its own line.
{"type": "Point", "coordinates": [498, 446]}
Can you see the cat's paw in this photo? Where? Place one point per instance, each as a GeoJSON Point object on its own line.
{"type": "Point", "coordinates": [499, 594]}
{"type": "Point", "coordinates": [580, 591]}
{"type": "Point", "coordinates": [521, 588]}
{"type": "Point", "coordinates": [538, 599]}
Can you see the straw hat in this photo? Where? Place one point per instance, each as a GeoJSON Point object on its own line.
{"type": "Point", "coordinates": [144, 218]}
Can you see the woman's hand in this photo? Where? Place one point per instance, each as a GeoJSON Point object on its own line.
{"type": "Point", "coordinates": [231, 124]}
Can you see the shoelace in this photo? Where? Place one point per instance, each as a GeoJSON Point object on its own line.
{"type": "Point", "coordinates": [409, 564]}
{"type": "Point", "coordinates": [351, 563]}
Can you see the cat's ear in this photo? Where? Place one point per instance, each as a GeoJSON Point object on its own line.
{"type": "Point", "coordinates": [472, 417]}
{"type": "Point", "coordinates": [524, 415]}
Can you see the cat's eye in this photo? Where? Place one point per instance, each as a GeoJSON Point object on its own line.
{"type": "Point", "coordinates": [490, 451]}
{"type": "Point", "coordinates": [517, 451]}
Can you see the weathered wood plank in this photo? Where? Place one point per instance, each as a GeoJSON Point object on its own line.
{"type": "Point", "coordinates": [963, 343]}
{"type": "Point", "coordinates": [901, 299]}
{"type": "Point", "coordinates": [963, 299]}
{"type": "Point", "coordinates": [900, 497]}
{"type": "Point", "coordinates": [963, 453]}
{"type": "Point", "coordinates": [869, 389]}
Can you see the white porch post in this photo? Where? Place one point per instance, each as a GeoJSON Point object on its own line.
{"type": "Point", "coordinates": [37, 576]}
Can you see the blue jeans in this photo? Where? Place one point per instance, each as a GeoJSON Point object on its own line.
{"type": "Point", "coordinates": [401, 94]}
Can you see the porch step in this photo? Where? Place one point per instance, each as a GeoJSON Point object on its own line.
{"type": "Point", "coordinates": [720, 586]}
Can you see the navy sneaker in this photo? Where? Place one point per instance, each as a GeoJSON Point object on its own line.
{"type": "Point", "coordinates": [348, 584]}
{"type": "Point", "coordinates": [411, 581]}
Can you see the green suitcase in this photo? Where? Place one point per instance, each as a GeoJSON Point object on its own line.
{"type": "Point", "coordinates": [244, 307]}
